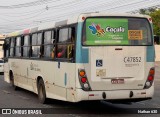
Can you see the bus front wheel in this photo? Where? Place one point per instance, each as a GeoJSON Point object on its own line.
{"type": "Point", "coordinates": [41, 92]}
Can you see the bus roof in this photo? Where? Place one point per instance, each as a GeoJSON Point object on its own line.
{"type": "Point", "coordinates": [71, 20]}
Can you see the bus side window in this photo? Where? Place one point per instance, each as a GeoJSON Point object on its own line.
{"type": "Point", "coordinates": [52, 54]}
{"type": "Point", "coordinates": [65, 45]}
{"type": "Point", "coordinates": [39, 45]}
{"type": "Point", "coordinates": [26, 46]}
{"type": "Point", "coordinates": [63, 39]}
{"type": "Point", "coordinates": [71, 47]}
{"type": "Point", "coordinates": [34, 49]}
{"type": "Point", "coordinates": [6, 47]}
{"type": "Point", "coordinates": [61, 51]}
{"type": "Point", "coordinates": [18, 47]}
{"type": "Point", "coordinates": [49, 44]}
{"type": "Point", "coordinates": [12, 47]}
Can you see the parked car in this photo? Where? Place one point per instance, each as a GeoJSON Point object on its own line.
{"type": "Point", "coordinates": [1, 66]}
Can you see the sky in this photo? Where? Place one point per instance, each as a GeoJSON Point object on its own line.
{"type": "Point", "coordinates": [21, 14]}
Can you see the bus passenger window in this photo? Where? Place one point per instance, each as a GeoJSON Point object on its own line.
{"type": "Point", "coordinates": [66, 42]}
{"type": "Point", "coordinates": [53, 49]}
{"type": "Point", "coordinates": [39, 47]}
{"type": "Point", "coordinates": [49, 44]}
{"type": "Point", "coordinates": [26, 46]}
{"type": "Point", "coordinates": [34, 47]}
{"type": "Point", "coordinates": [70, 51]}
{"type": "Point", "coordinates": [71, 47]}
{"type": "Point", "coordinates": [52, 52]}
{"type": "Point", "coordinates": [12, 47]}
{"type": "Point", "coordinates": [6, 46]}
{"type": "Point", "coordinates": [64, 35]}
{"type": "Point", "coordinates": [18, 47]}
{"type": "Point", "coordinates": [62, 53]}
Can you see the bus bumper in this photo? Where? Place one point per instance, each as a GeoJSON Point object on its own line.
{"type": "Point", "coordinates": [132, 95]}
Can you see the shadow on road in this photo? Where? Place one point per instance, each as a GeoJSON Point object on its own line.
{"type": "Point", "coordinates": [89, 107]}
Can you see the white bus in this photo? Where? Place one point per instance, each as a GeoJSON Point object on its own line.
{"type": "Point", "coordinates": [94, 56]}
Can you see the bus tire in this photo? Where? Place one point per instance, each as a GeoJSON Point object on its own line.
{"type": "Point", "coordinates": [12, 81]}
{"type": "Point", "coordinates": [41, 92]}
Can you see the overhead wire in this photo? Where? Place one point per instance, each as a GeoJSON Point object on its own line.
{"type": "Point", "coordinates": [89, 9]}
{"type": "Point", "coordinates": [123, 5]}
{"type": "Point", "coordinates": [27, 17]}
{"type": "Point", "coordinates": [29, 4]}
{"type": "Point", "coordinates": [70, 12]}
{"type": "Point", "coordinates": [65, 10]}
{"type": "Point", "coordinates": [141, 6]}
{"type": "Point", "coordinates": [23, 14]}
{"type": "Point", "coordinates": [39, 10]}
{"type": "Point", "coordinates": [20, 19]}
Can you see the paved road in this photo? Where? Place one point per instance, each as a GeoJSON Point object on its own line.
{"type": "Point", "coordinates": [10, 98]}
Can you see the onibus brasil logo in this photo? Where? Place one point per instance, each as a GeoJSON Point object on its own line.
{"type": "Point", "coordinates": [96, 29]}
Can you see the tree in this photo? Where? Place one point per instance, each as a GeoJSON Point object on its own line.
{"type": "Point", "coordinates": [156, 21]}
{"type": "Point", "coordinates": [155, 15]}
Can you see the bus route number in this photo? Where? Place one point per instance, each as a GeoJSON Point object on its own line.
{"type": "Point", "coordinates": [132, 59]}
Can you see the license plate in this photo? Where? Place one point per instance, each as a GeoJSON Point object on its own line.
{"type": "Point", "coordinates": [117, 81]}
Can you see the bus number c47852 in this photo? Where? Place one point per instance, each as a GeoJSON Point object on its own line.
{"type": "Point", "coordinates": [132, 59]}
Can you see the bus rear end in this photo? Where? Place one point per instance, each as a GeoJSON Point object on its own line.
{"type": "Point", "coordinates": [120, 59]}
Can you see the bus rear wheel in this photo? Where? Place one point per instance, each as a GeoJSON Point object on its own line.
{"type": "Point", "coordinates": [41, 92]}
{"type": "Point", "coordinates": [12, 81]}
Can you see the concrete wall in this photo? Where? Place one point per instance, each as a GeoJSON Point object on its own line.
{"type": "Point", "coordinates": [157, 49]}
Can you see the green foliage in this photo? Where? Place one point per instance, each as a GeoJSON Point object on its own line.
{"type": "Point", "coordinates": [155, 14]}
{"type": "Point", "coordinates": [156, 21]}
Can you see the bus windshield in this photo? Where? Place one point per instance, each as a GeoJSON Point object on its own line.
{"type": "Point", "coordinates": [117, 31]}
